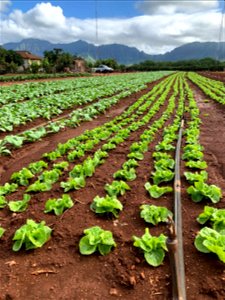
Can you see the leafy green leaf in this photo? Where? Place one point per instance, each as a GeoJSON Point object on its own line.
{"type": "Point", "coordinates": [155, 191]}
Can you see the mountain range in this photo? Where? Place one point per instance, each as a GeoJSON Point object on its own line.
{"type": "Point", "coordinates": [121, 53]}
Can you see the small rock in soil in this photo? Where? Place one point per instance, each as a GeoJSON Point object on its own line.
{"type": "Point", "coordinates": [133, 280]}
{"type": "Point", "coordinates": [113, 292]}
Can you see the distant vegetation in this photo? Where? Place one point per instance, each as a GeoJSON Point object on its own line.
{"type": "Point", "coordinates": [205, 64]}
{"type": "Point", "coordinates": [9, 61]}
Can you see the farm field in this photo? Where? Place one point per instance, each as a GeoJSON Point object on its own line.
{"type": "Point", "coordinates": [87, 133]}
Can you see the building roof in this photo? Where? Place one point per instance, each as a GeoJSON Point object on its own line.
{"type": "Point", "coordinates": [28, 55]}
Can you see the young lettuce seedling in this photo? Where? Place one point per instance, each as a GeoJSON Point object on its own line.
{"type": "Point", "coordinates": [107, 204]}
{"type": "Point", "coordinates": [155, 214]}
{"type": "Point", "coordinates": [96, 239]}
{"type": "Point", "coordinates": [209, 240]}
{"type": "Point", "coordinates": [21, 205]}
{"type": "Point", "coordinates": [58, 205]}
{"type": "Point", "coordinates": [153, 247]}
{"type": "Point", "coordinates": [32, 235]}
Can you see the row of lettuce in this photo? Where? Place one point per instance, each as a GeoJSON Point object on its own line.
{"type": "Point", "coordinates": [97, 91]}
{"type": "Point", "coordinates": [175, 91]}
{"type": "Point", "coordinates": [22, 77]}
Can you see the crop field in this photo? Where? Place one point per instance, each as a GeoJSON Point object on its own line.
{"type": "Point", "coordinates": [87, 170]}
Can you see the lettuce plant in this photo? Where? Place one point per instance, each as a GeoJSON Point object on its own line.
{"type": "Point", "coordinates": [198, 164]}
{"type": "Point", "coordinates": [37, 167]}
{"type": "Point", "coordinates": [32, 235]}
{"type": "Point", "coordinates": [162, 176]}
{"type": "Point", "coordinates": [164, 146]}
{"type": "Point", "coordinates": [38, 186]}
{"type": "Point", "coordinates": [2, 231]}
{"type": "Point", "coordinates": [125, 174]}
{"type": "Point", "coordinates": [58, 205]}
{"type": "Point", "coordinates": [19, 205]}
{"type": "Point", "coordinates": [164, 164]}
{"type": "Point", "coordinates": [3, 202]}
{"type": "Point", "coordinates": [3, 148]}
{"type": "Point", "coordinates": [117, 188]}
{"type": "Point", "coordinates": [130, 163]}
{"type": "Point", "coordinates": [108, 204]}
{"type": "Point", "coordinates": [22, 177]}
{"type": "Point", "coordinates": [14, 140]}
{"type": "Point", "coordinates": [136, 155]}
{"type": "Point", "coordinates": [215, 216]}
{"type": "Point", "coordinates": [63, 165]}
{"type": "Point", "coordinates": [34, 135]}
{"type": "Point", "coordinates": [153, 247]}
{"type": "Point", "coordinates": [96, 239]}
{"type": "Point", "coordinates": [155, 214]}
{"type": "Point", "coordinates": [201, 190]}
{"type": "Point", "coordinates": [156, 191]}
{"type": "Point", "coordinates": [209, 240]}
{"type": "Point", "coordinates": [73, 183]}
{"type": "Point", "coordinates": [8, 188]}
{"type": "Point", "coordinates": [192, 177]}
{"type": "Point", "coordinates": [192, 155]}
{"type": "Point", "coordinates": [51, 176]}
{"type": "Point", "coordinates": [161, 155]}
{"type": "Point", "coordinates": [88, 167]}
{"type": "Point", "coordinates": [75, 154]}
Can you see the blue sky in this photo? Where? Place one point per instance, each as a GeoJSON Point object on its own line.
{"type": "Point", "coordinates": [86, 9]}
{"type": "Point", "coordinates": [151, 26]}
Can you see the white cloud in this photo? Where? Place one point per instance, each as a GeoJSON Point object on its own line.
{"type": "Point", "coordinates": [156, 33]}
{"type": "Point", "coordinates": [176, 6]}
{"type": "Point", "coordinates": [4, 4]}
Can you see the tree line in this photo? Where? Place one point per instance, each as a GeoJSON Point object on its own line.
{"type": "Point", "coordinates": [58, 61]}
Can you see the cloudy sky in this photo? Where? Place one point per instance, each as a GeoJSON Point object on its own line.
{"type": "Point", "coordinates": [151, 26]}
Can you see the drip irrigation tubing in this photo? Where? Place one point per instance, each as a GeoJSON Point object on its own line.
{"type": "Point", "coordinates": [175, 237]}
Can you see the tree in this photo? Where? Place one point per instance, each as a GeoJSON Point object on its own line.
{"type": "Point", "coordinates": [9, 61]}
{"type": "Point", "coordinates": [56, 60]}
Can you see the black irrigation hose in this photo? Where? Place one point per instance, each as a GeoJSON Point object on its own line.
{"type": "Point", "coordinates": [175, 239]}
